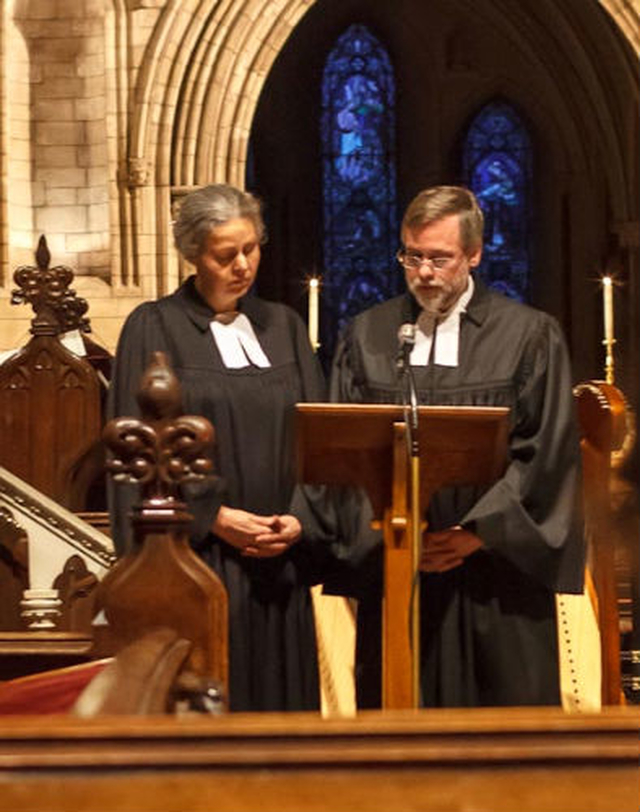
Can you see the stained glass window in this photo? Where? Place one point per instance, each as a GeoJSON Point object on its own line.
{"type": "Point", "coordinates": [497, 167]}
{"type": "Point", "coordinates": [359, 184]}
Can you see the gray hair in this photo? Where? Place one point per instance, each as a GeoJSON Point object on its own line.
{"type": "Point", "coordinates": [209, 207]}
{"type": "Point", "coordinates": [438, 202]}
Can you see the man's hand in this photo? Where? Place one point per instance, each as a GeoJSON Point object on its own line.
{"type": "Point", "coordinates": [254, 535]}
{"type": "Point", "coordinates": [445, 549]}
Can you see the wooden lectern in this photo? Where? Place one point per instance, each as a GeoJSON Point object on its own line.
{"type": "Point", "coordinates": [365, 445]}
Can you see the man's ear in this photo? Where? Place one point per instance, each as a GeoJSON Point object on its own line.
{"type": "Point", "coordinates": [475, 257]}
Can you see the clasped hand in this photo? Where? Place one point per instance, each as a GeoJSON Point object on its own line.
{"type": "Point", "coordinates": [254, 535]}
{"type": "Point", "coordinates": [443, 550]}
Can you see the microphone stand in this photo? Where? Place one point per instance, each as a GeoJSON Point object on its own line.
{"type": "Point", "coordinates": [414, 530]}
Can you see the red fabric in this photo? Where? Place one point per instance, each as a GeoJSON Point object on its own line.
{"type": "Point", "coordinates": [48, 692]}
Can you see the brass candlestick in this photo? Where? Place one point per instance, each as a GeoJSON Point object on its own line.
{"type": "Point", "coordinates": [608, 360]}
{"type": "Point", "coordinates": [609, 340]}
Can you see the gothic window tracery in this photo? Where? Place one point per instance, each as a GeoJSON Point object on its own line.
{"type": "Point", "coordinates": [497, 167]}
{"type": "Point", "coordinates": [359, 183]}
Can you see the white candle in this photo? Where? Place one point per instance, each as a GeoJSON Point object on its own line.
{"type": "Point", "coordinates": [314, 294]}
{"type": "Point", "coordinates": [607, 296]}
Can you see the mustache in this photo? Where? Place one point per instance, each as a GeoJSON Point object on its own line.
{"type": "Point", "coordinates": [415, 284]}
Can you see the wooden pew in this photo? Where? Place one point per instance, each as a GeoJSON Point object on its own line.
{"type": "Point", "coordinates": [161, 581]}
{"type": "Point", "coordinates": [162, 607]}
{"type": "Point", "coordinates": [51, 399]}
{"type": "Point", "coordinates": [483, 760]}
{"type": "Point", "coordinates": [52, 404]}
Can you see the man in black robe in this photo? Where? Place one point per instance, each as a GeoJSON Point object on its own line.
{"type": "Point", "coordinates": [494, 557]}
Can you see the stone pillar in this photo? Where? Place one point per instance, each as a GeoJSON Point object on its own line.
{"type": "Point", "coordinates": [65, 47]}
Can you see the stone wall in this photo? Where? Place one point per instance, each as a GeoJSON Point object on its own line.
{"type": "Point", "coordinates": [93, 92]}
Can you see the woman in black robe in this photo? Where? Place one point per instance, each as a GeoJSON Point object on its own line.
{"type": "Point", "coordinates": [242, 363]}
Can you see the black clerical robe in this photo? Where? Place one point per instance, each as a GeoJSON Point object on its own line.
{"type": "Point", "coordinates": [489, 625]}
{"type": "Point", "coordinates": [272, 647]}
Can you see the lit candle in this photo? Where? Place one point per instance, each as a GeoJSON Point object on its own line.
{"type": "Point", "coordinates": [314, 295]}
{"type": "Point", "coordinates": [607, 296]}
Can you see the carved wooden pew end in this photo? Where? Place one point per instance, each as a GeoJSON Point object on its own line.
{"type": "Point", "coordinates": [162, 582]}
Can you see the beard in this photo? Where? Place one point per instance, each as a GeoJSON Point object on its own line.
{"type": "Point", "coordinates": [437, 299]}
{"type": "Point", "coordinates": [431, 302]}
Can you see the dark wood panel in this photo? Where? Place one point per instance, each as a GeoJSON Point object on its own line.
{"type": "Point", "coordinates": [482, 760]}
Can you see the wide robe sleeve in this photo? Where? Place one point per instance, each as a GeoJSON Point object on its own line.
{"type": "Point", "coordinates": [311, 376]}
{"type": "Point", "coordinates": [338, 519]}
{"type": "Point", "coordinates": [312, 504]}
{"type": "Point", "coordinates": [346, 382]}
{"type": "Point", "coordinates": [532, 515]}
{"type": "Point", "coordinates": [143, 334]}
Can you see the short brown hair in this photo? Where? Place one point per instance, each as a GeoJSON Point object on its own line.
{"type": "Point", "coordinates": [441, 201]}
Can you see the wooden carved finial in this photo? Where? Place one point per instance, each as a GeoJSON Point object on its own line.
{"type": "Point", "coordinates": [161, 582]}
{"type": "Point", "coordinates": [57, 308]}
{"type": "Point", "coordinates": [163, 449]}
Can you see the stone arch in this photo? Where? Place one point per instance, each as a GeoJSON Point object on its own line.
{"type": "Point", "coordinates": [196, 91]}
{"type": "Point", "coordinates": [626, 14]}
{"type": "Point", "coordinates": [201, 77]}
{"type": "Point", "coordinates": [201, 46]}
{"type": "Point", "coordinates": [195, 95]}
{"type": "Point", "coordinates": [588, 93]}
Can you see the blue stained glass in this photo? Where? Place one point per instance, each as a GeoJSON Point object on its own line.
{"type": "Point", "coordinates": [359, 185]}
{"type": "Point", "coordinates": [497, 167]}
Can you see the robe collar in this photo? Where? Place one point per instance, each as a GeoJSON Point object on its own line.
{"type": "Point", "coordinates": [201, 314]}
{"type": "Point", "coordinates": [479, 304]}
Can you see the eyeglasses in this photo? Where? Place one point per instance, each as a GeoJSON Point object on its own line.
{"type": "Point", "coordinates": [415, 260]}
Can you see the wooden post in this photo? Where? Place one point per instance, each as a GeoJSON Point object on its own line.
{"type": "Point", "coordinates": [162, 582]}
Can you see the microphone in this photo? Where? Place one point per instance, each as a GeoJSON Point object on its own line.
{"type": "Point", "coordinates": [406, 340]}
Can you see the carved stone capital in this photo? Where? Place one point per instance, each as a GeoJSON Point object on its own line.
{"type": "Point", "coordinates": [136, 172]}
